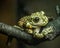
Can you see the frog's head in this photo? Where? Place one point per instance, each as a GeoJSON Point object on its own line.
{"type": "Point", "coordinates": [38, 19]}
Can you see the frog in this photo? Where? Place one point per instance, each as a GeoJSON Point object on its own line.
{"type": "Point", "coordinates": [33, 23]}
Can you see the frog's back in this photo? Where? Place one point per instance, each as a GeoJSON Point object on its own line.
{"type": "Point", "coordinates": [23, 20]}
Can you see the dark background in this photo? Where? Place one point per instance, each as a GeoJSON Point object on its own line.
{"type": "Point", "coordinates": [12, 10]}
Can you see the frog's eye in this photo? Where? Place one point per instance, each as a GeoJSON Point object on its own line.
{"type": "Point", "coordinates": [36, 19]}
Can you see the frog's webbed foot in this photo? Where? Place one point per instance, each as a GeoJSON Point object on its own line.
{"type": "Point", "coordinates": [46, 32]}
{"type": "Point", "coordinates": [30, 31]}
{"type": "Point", "coordinates": [50, 36]}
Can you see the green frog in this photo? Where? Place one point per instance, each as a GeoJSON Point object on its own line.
{"type": "Point", "coordinates": [32, 24]}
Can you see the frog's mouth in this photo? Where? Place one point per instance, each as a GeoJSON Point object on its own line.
{"type": "Point", "coordinates": [35, 26]}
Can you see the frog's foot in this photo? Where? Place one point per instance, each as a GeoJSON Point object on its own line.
{"type": "Point", "coordinates": [50, 36]}
{"type": "Point", "coordinates": [46, 32]}
{"type": "Point", "coordinates": [30, 31]}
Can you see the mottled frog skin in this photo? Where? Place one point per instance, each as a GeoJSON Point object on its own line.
{"type": "Point", "coordinates": [33, 23]}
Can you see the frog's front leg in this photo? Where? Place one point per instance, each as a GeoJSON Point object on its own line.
{"type": "Point", "coordinates": [48, 33]}
{"type": "Point", "coordinates": [45, 32]}
{"type": "Point", "coordinates": [37, 34]}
